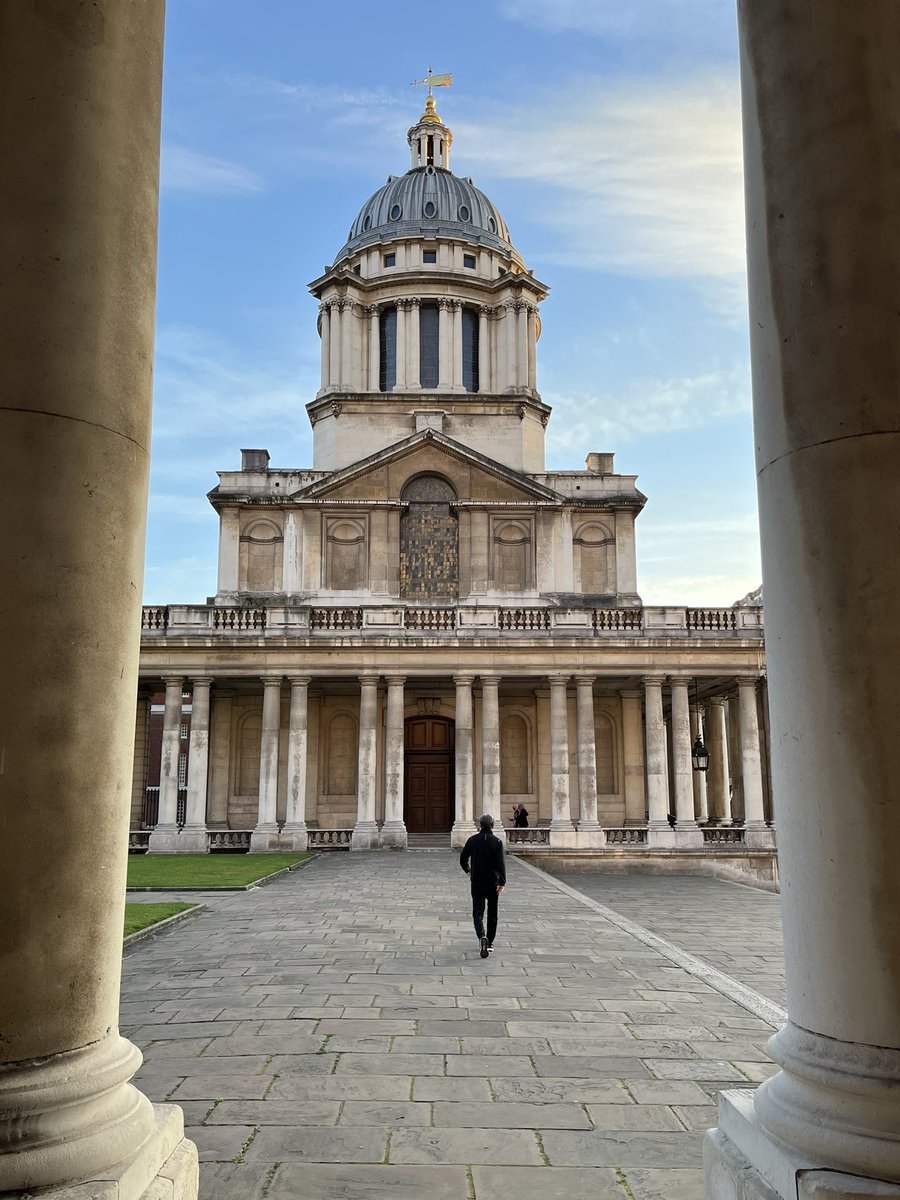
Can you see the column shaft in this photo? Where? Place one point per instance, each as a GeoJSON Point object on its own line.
{"type": "Point", "coordinates": [490, 747]}
{"type": "Point", "coordinates": [532, 348]}
{"type": "Point", "coordinates": [561, 819]}
{"type": "Point", "coordinates": [508, 382]}
{"type": "Point", "coordinates": [374, 349]}
{"type": "Point", "coordinates": [659, 831]}
{"type": "Point", "coordinates": [587, 753]}
{"type": "Point", "coordinates": [522, 346]}
{"type": "Point", "coordinates": [265, 835]}
{"type": "Point", "coordinates": [294, 833]}
{"type": "Point", "coordinates": [402, 326]}
{"type": "Point", "coordinates": [365, 833]}
{"type": "Point", "coordinates": [348, 325]}
{"type": "Point", "coordinates": [171, 747]}
{"type": "Point", "coordinates": [412, 346]}
{"type": "Point", "coordinates": [334, 347]}
{"type": "Point", "coordinates": [751, 767]}
{"type": "Point", "coordinates": [686, 832]}
{"type": "Point", "coordinates": [457, 346]}
{"type": "Point", "coordinates": [701, 802]}
{"type": "Point", "coordinates": [193, 836]}
{"type": "Point", "coordinates": [717, 776]}
{"type": "Point", "coordinates": [463, 824]}
{"type": "Point", "coordinates": [393, 833]}
{"type": "Point", "coordinates": [635, 770]}
{"type": "Point", "coordinates": [445, 345]}
{"type": "Point", "coordinates": [484, 350]}
{"type": "Point", "coordinates": [325, 334]}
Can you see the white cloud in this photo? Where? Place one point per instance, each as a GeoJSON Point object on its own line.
{"type": "Point", "coordinates": [614, 19]}
{"type": "Point", "coordinates": [183, 170]}
{"type": "Point", "coordinates": [644, 408]}
{"type": "Point", "coordinates": [696, 591]}
{"type": "Point", "coordinates": [637, 176]}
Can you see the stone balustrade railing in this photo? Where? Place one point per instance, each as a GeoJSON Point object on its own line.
{"type": "Point", "coordinates": [228, 839]}
{"type": "Point", "coordinates": [723, 835]}
{"type": "Point", "coordinates": [538, 835]}
{"type": "Point", "coordinates": [138, 841]}
{"type": "Point", "coordinates": [626, 835]}
{"type": "Point", "coordinates": [461, 621]}
{"type": "Point", "coordinates": [329, 839]}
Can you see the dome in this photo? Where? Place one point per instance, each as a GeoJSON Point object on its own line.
{"type": "Point", "coordinates": [429, 202]}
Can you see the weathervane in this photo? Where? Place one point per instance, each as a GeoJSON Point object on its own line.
{"type": "Point", "coordinates": [432, 81]}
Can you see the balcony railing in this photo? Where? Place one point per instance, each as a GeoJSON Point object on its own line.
{"type": "Point", "coordinates": [462, 621]}
{"type": "Point", "coordinates": [539, 835]}
{"type": "Point", "coordinates": [626, 835]}
{"type": "Point", "coordinates": [329, 839]}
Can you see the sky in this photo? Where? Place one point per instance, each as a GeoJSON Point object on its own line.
{"type": "Point", "coordinates": [607, 134]}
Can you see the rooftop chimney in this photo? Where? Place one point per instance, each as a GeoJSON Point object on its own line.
{"type": "Point", "coordinates": [254, 460]}
{"type": "Point", "coordinates": [600, 464]}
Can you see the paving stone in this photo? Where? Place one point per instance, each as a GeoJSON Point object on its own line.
{"type": "Point", "coordinates": [350, 1182]}
{"type": "Point", "coordinates": [464, 1146]}
{"type": "Point", "coordinates": [341, 1087]}
{"type": "Point", "coordinates": [494, 1066]}
{"type": "Point", "coordinates": [665, 1184]}
{"type": "Point", "coordinates": [572, 1148]}
{"type": "Point", "coordinates": [221, 1087]}
{"type": "Point", "coordinates": [679, 1068]}
{"type": "Point", "coordinates": [390, 1064]}
{"type": "Point", "coordinates": [574, 1091]}
{"type": "Point", "coordinates": [265, 1043]}
{"type": "Point", "coordinates": [307, 1143]}
{"type": "Point", "coordinates": [652, 1118]}
{"type": "Point", "coordinates": [233, 1182]}
{"type": "Point", "coordinates": [434, 1087]}
{"type": "Point", "coordinates": [698, 1116]}
{"type": "Point", "coordinates": [380, 1112]}
{"type": "Point", "coordinates": [274, 1112]}
{"type": "Point", "coordinates": [591, 1066]}
{"type": "Point", "coordinates": [548, 1183]}
{"type": "Point", "coordinates": [220, 1143]}
{"type": "Point", "coordinates": [499, 1115]}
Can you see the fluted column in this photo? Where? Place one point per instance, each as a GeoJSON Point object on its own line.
{"type": "Point", "coordinates": [590, 833]}
{"type": "Point", "coordinates": [633, 747]}
{"type": "Point", "coordinates": [294, 832]}
{"type": "Point", "coordinates": [393, 832]}
{"type": "Point", "coordinates": [463, 823]}
{"type": "Point", "coordinates": [687, 833]}
{"type": "Point", "coordinates": [717, 775]}
{"type": "Point", "coordinates": [508, 333]}
{"type": "Point", "coordinates": [659, 832]}
{"type": "Point", "coordinates": [490, 748]}
{"type": "Point", "coordinates": [412, 345]}
{"type": "Point", "coordinates": [334, 343]}
{"type": "Point", "coordinates": [561, 809]}
{"type": "Point", "coordinates": [80, 101]}
{"type": "Point", "coordinates": [265, 835]}
{"type": "Point", "coordinates": [325, 333]}
{"type": "Point", "coordinates": [701, 802]}
{"type": "Point", "coordinates": [532, 347]}
{"type": "Point", "coordinates": [365, 832]}
{"type": "Point", "coordinates": [402, 326]}
{"type": "Point", "coordinates": [374, 361]}
{"type": "Point", "coordinates": [757, 834]}
{"type": "Point", "coordinates": [348, 325]}
{"type": "Point", "coordinates": [193, 837]}
{"type": "Point", "coordinates": [164, 838]}
{"type": "Point", "coordinates": [484, 349]}
{"type": "Point", "coordinates": [522, 345]}
{"type": "Point", "coordinates": [445, 344]}
{"type": "Point", "coordinates": [456, 312]}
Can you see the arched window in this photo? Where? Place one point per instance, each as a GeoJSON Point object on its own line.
{"type": "Point", "coordinates": [429, 541]}
{"type": "Point", "coordinates": [470, 349]}
{"type": "Point", "coordinates": [387, 360]}
{"type": "Point", "coordinates": [428, 345]}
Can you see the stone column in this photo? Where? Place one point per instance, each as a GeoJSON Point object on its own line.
{"type": "Point", "coordinates": [508, 382]}
{"type": "Point", "coordinates": [532, 347]}
{"type": "Point", "coordinates": [590, 833]}
{"type": "Point", "coordinates": [701, 803]}
{"type": "Point", "coordinates": [490, 749]}
{"type": "Point", "coordinates": [365, 833]}
{"type": "Point", "coordinates": [484, 349]}
{"type": "Point", "coordinates": [522, 345]}
{"type": "Point", "coordinates": [756, 832]}
{"type": "Point", "coordinates": [335, 322]}
{"type": "Point", "coordinates": [717, 775]}
{"type": "Point", "coordinates": [562, 831]}
{"type": "Point", "coordinates": [686, 832]}
{"type": "Point", "coordinates": [294, 832]}
{"type": "Point", "coordinates": [193, 836]}
{"type": "Point", "coordinates": [735, 759]}
{"type": "Point", "coordinates": [374, 349]}
{"type": "Point", "coordinates": [412, 345]}
{"type": "Point", "coordinates": [659, 832]}
{"type": "Point", "coordinates": [164, 838]}
{"type": "Point", "coordinates": [325, 334]}
{"type": "Point", "coordinates": [80, 104]}
{"type": "Point", "coordinates": [348, 323]}
{"type": "Point", "coordinates": [445, 344]}
{"type": "Point", "coordinates": [265, 835]}
{"type": "Point", "coordinates": [402, 314]}
{"type": "Point", "coordinates": [633, 755]}
{"type": "Point", "coordinates": [463, 824]}
{"type": "Point", "coordinates": [393, 832]}
{"type": "Point", "coordinates": [821, 130]}
{"type": "Point", "coordinates": [229, 550]}
{"type": "Point", "coordinates": [457, 378]}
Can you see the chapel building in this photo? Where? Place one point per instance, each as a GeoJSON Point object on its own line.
{"type": "Point", "coordinates": [426, 623]}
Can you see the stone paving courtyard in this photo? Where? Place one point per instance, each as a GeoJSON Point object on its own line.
{"type": "Point", "coordinates": [336, 1036]}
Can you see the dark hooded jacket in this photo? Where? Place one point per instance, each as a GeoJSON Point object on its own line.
{"type": "Point", "coordinates": [482, 859]}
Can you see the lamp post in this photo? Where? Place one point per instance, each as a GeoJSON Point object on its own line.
{"type": "Point", "coordinates": [699, 753]}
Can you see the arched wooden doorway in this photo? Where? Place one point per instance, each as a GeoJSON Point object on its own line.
{"type": "Point", "coordinates": [429, 798]}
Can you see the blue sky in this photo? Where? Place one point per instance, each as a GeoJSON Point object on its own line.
{"type": "Point", "coordinates": [608, 135]}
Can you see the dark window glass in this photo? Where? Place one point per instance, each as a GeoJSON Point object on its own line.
{"type": "Point", "coordinates": [470, 349]}
{"type": "Point", "coordinates": [464, 213]}
{"type": "Point", "coordinates": [387, 371]}
{"type": "Point", "coordinates": [469, 261]}
{"type": "Point", "coordinates": [396, 212]}
{"type": "Point", "coordinates": [428, 345]}
{"type": "Point", "coordinates": [430, 210]}
{"type": "Point", "coordinates": [390, 260]}
{"type": "Point", "coordinates": [429, 145]}
{"type": "Point", "coordinates": [429, 256]}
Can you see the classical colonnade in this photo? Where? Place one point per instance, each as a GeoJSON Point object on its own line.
{"type": "Point", "coordinates": [351, 344]}
{"type": "Point", "coordinates": [660, 787]}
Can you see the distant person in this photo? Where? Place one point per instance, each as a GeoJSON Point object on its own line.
{"type": "Point", "coordinates": [482, 860]}
{"type": "Point", "coordinates": [520, 816]}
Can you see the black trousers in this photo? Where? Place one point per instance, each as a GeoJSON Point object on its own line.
{"type": "Point", "coordinates": [479, 899]}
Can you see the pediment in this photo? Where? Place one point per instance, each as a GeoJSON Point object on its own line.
{"type": "Point", "coordinates": [475, 477]}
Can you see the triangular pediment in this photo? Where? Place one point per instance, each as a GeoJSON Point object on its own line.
{"type": "Point", "coordinates": [473, 475]}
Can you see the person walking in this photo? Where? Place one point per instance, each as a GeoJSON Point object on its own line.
{"type": "Point", "coordinates": [482, 860]}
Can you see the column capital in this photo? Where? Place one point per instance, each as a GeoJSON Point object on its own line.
{"type": "Point", "coordinates": [202, 681]}
{"type": "Point", "coordinates": [719, 701]}
{"type": "Point", "coordinates": [299, 680]}
{"type": "Point", "coordinates": [172, 680]}
{"type": "Point", "coordinates": [369, 680]}
{"type": "Point", "coordinates": [463, 680]}
{"type": "Point", "coordinates": [653, 680]}
{"type": "Point", "coordinates": [559, 680]}
{"type": "Point", "coordinates": [680, 680]}
{"type": "Point", "coordinates": [747, 680]}
{"type": "Point", "coordinates": [490, 680]}
{"type": "Point", "coordinates": [395, 680]}
{"type": "Point", "coordinates": [271, 681]}
{"type": "Point", "coordinates": [585, 681]}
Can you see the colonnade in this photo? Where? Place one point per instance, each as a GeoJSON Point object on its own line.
{"type": "Point", "coordinates": [351, 345]}
{"type": "Point", "coordinates": [661, 789]}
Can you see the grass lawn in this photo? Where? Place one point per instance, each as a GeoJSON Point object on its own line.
{"type": "Point", "coordinates": [204, 870]}
{"type": "Point", "coordinates": [139, 916]}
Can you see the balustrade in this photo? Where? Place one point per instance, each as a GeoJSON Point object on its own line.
{"type": "Point", "coordinates": [524, 619]}
{"type": "Point", "coordinates": [713, 620]}
{"type": "Point", "coordinates": [155, 620]}
{"type": "Point", "coordinates": [430, 619]}
{"type": "Point", "coordinates": [723, 836]}
{"type": "Point", "coordinates": [228, 839]}
{"type": "Point", "coordinates": [537, 835]}
{"type": "Point", "coordinates": [329, 839]}
{"type": "Point", "coordinates": [239, 619]}
{"type": "Point", "coordinates": [336, 618]}
{"type": "Point", "coordinates": [617, 620]}
{"type": "Point", "coordinates": [626, 835]}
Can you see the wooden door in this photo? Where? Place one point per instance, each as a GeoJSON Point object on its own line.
{"type": "Point", "coordinates": [429, 775]}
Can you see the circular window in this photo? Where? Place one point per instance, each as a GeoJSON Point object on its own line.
{"type": "Point", "coordinates": [429, 170]}
{"type": "Point", "coordinates": [464, 213]}
{"type": "Point", "coordinates": [430, 210]}
{"type": "Point", "coordinates": [396, 211]}
{"type": "Point", "coordinates": [492, 225]}
{"type": "Point", "coordinates": [367, 222]}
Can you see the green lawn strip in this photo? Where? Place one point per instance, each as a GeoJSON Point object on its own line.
{"type": "Point", "coordinates": [205, 870]}
{"type": "Point", "coordinates": [139, 916]}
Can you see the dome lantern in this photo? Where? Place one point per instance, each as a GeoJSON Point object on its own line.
{"type": "Point", "coordinates": [430, 139]}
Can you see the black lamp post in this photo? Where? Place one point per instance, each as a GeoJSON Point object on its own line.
{"type": "Point", "coordinates": [699, 753]}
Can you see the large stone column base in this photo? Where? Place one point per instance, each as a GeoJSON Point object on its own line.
{"type": "Point", "coordinates": [164, 1168]}
{"type": "Point", "coordinates": [590, 837]}
{"type": "Point", "coordinates": [661, 835]}
{"type": "Point", "coordinates": [688, 837]}
{"type": "Point", "coordinates": [165, 839]}
{"type": "Point", "coordinates": [393, 836]}
{"type": "Point", "coordinates": [265, 839]}
{"type": "Point", "coordinates": [742, 1161]}
{"type": "Point", "coordinates": [294, 838]}
{"type": "Point", "coordinates": [364, 836]}
{"type": "Point", "coordinates": [460, 834]}
{"type": "Point", "coordinates": [759, 837]}
{"type": "Point", "coordinates": [192, 840]}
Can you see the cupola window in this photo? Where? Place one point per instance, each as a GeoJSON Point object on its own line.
{"type": "Point", "coordinates": [492, 225]}
{"type": "Point", "coordinates": [387, 362]}
{"type": "Point", "coordinates": [470, 349]}
{"type": "Point", "coordinates": [429, 256]}
{"type": "Point", "coordinates": [429, 342]}
{"type": "Point", "coordinates": [429, 151]}
{"type": "Point", "coordinates": [390, 260]}
{"type": "Point", "coordinates": [367, 222]}
{"type": "Point", "coordinates": [469, 262]}
{"type": "Point", "coordinates": [430, 209]}
{"type": "Point", "coordinates": [464, 213]}
{"type": "Point", "coordinates": [396, 212]}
